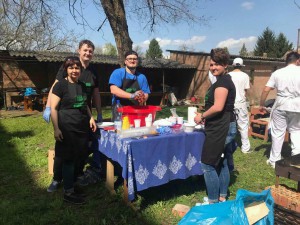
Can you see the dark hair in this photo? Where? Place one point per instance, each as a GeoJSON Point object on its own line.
{"type": "Point", "coordinates": [292, 57]}
{"type": "Point", "coordinates": [131, 53]}
{"type": "Point", "coordinates": [70, 61]}
{"type": "Point", "coordinates": [86, 42]}
{"type": "Point", "coordinates": [220, 56]}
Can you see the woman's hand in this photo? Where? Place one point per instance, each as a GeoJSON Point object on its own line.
{"type": "Point", "coordinates": [58, 135]}
{"type": "Point", "coordinates": [93, 124]}
{"type": "Point", "coordinates": [198, 118]}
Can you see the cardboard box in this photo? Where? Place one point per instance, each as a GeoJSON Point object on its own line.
{"type": "Point", "coordinates": [180, 210]}
{"type": "Point", "coordinates": [256, 211]}
{"type": "Point", "coordinates": [50, 160]}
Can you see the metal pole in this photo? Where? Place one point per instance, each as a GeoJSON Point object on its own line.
{"type": "Point", "coordinates": [298, 41]}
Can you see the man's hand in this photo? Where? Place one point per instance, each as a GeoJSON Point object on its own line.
{"type": "Point", "coordinates": [46, 114]}
{"type": "Point", "coordinates": [139, 96]}
{"type": "Point", "coordinates": [99, 118]}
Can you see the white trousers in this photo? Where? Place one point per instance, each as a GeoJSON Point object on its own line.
{"type": "Point", "coordinates": [280, 122]}
{"type": "Point", "coordinates": [243, 125]}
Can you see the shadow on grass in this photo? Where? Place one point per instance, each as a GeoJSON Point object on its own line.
{"type": "Point", "coordinates": [172, 189]}
{"type": "Point", "coordinates": [285, 150]}
{"type": "Point", "coordinates": [24, 178]}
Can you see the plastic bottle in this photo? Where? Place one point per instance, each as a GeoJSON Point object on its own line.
{"type": "Point", "coordinates": [117, 116]}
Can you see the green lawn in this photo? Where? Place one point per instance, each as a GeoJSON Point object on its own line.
{"type": "Point", "coordinates": [24, 178]}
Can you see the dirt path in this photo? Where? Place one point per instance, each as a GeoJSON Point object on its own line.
{"type": "Point", "coordinates": [17, 113]}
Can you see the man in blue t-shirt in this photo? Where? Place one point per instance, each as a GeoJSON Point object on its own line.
{"type": "Point", "coordinates": [127, 84]}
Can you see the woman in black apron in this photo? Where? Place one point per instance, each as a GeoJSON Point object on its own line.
{"type": "Point", "coordinates": [219, 104]}
{"type": "Point", "coordinates": [72, 121]}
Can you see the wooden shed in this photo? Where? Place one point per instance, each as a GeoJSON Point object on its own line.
{"type": "Point", "coordinates": [22, 69]}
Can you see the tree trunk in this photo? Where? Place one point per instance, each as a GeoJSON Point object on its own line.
{"type": "Point", "coordinates": [115, 12]}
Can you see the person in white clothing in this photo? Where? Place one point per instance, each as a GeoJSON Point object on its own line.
{"type": "Point", "coordinates": [211, 78]}
{"type": "Point", "coordinates": [242, 84]}
{"type": "Point", "coordinates": [285, 114]}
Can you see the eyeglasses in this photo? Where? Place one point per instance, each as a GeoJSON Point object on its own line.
{"type": "Point", "coordinates": [132, 59]}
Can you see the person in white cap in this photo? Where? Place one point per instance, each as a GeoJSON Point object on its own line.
{"type": "Point", "coordinates": [285, 114]}
{"type": "Point", "coordinates": [242, 84]}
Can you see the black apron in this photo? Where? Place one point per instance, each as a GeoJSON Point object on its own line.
{"type": "Point", "coordinates": [216, 130]}
{"type": "Point", "coordinates": [130, 86]}
{"type": "Point", "coordinates": [74, 125]}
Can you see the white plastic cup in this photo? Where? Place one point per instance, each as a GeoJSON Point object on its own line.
{"type": "Point", "coordinates": [148, 121]}
{"type": "Point", "coordinates": [173, 120]}
{"type": "Point", "coordinates": [137, 123]}
{"type": "Point", "coordinates": [179, 120]}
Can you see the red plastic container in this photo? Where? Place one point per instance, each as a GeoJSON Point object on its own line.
{"type": "Point", "coordinates": [139, 112]}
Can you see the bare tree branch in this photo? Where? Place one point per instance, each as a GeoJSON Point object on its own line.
{"type": "Point", "coordinates": [33, 25]}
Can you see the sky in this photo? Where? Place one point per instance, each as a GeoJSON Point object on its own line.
{"type": "Point", "coordinates": [231, 23]}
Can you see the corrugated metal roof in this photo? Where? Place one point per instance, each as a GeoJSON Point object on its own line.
{"type": "Point", "coordinates": [97, 59]}
{"type": "Point", "coordinates": [257, 58]}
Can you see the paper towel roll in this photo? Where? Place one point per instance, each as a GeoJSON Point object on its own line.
{"type": "Point", "coordinates": [191, 114]}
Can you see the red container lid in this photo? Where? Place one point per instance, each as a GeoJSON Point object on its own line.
{"type": "Point", "coordinates": [139, 109]}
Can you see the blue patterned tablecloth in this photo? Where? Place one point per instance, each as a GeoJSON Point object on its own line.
{"type": "Point", "coordinates": [154, 160]}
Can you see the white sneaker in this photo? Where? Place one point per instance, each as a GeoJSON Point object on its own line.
{"type": "Point", "coordinates": [247, 152]}
{"type": "Point", "coordinates": [205, 202]}
{"type": "Point", "coordinates": [270, 163]}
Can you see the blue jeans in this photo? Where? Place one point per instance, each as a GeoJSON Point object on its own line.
{"type": "Point", "coordinates": [230, 145]}
{"type": "Point", "coordinates": [216, 180]}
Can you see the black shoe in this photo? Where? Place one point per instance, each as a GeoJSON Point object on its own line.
{"type": "Point", "coordinates": [53, 186]}
{"type": "Point", "coordinates": [79, 192]}
{"type": "Point", "coordinates": [74, 198]}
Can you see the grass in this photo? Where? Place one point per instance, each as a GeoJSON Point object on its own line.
{"type": "Point", "coordinates": [24, 178]}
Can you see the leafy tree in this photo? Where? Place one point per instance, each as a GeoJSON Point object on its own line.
{"type": "Point", "coordinates": [282, 45]}
{"type": "Point", "coordinates": [154, 50]}
{"type": "Point", "coordinates": [266, 43]}
{"type": "Point", "coordinates": [243, 51]}
{"type": "Point", "coordinates": [272, 45]}
{"type": "Point", "coordinates": [33, 25]}
{"type": "Point", "coordinates": [109, 49]}
{"type": "Point", "coordinates": [98, 50]}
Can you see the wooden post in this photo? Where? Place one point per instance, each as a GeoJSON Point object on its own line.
{"type": "Point", "coordinates": [110, 176]}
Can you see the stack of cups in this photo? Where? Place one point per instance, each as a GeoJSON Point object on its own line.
{"type": "Point", "coordinates": [125, 123]}
{"type": "Point", "coordinates": [148, 120]}
{"type": "Point", "coordinates": [180, 120]}
{"type": "Point", "coordinates": [191, 114]}
{"type": "Point", "coordinates": [137, 123]}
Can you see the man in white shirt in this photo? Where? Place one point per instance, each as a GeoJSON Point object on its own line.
{"type": "Point", "coordinates": [242, 84]}
{"type": "Point", "coordinates": [285, 114]}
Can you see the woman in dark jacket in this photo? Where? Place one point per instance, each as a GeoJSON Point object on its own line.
{"type": "Point", "coordinates": [219, 105]}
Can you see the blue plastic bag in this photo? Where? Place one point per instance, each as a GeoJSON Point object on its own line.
{"type": "Point", "coordinates": [217, 214]}
{"type": "Point", "coordinates": [230, 212]}
{"type": "Point", "coordinates": [29, 91]}
{"type": "Point", "coordinates": [244, 198]}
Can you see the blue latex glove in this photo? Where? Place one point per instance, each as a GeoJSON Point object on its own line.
{"type": "Point", "coordinates": [46, 114]}
{"type": "Point", "coordinates": [99, 118]}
